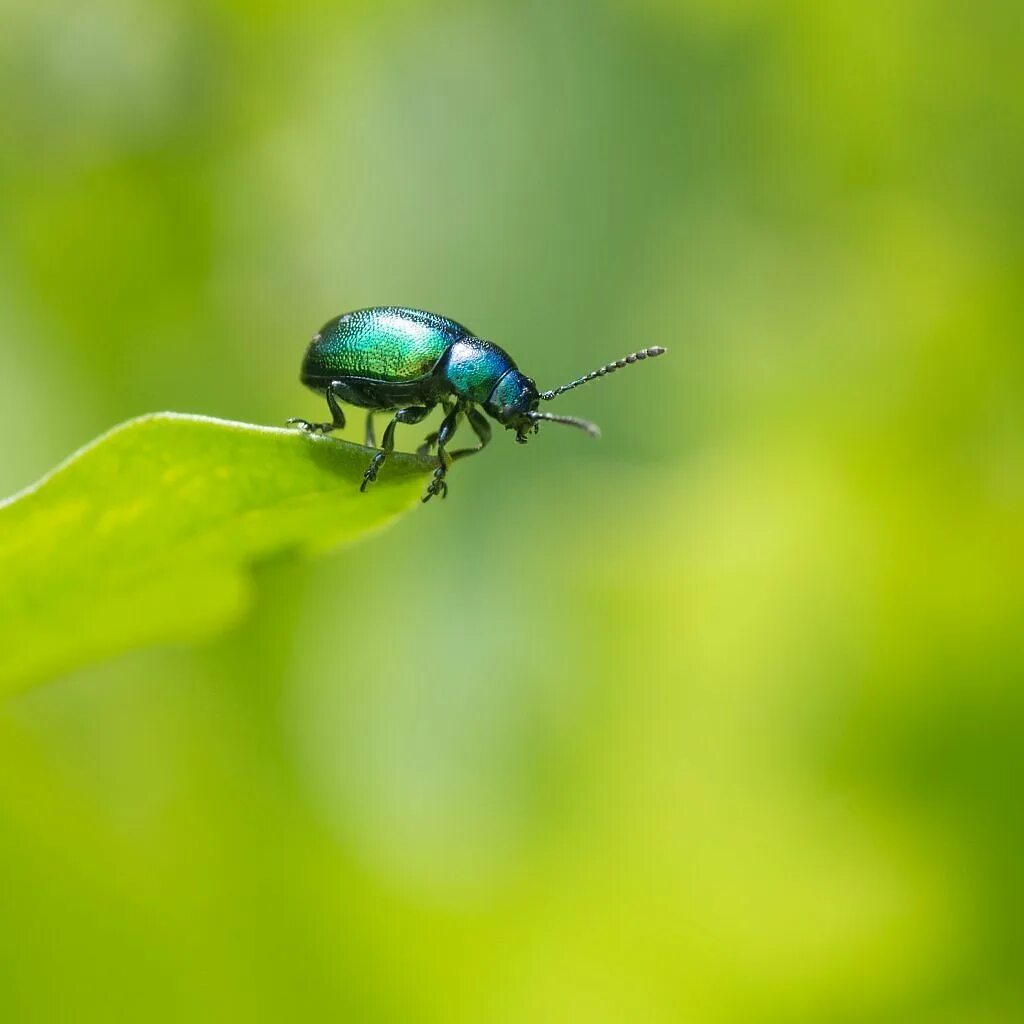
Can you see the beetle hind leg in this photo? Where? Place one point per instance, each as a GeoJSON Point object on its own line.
{"type": "Point", "coordinates": [337, 417]}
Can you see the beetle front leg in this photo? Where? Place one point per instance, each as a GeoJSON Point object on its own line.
{"type": "Point", "coordinates": [413, 414]}
{"type": "Point", "coordinates": [337, 417]}
{"type": "Point", "coordinates": [444, 434]}
{"type": "Point", "coordinates": [481, 428]}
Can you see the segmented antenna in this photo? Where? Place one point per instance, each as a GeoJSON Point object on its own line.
{"type": "Point", "coordinates": [573, 421]}
{"type": "Point", "coordinates": [619, 364]}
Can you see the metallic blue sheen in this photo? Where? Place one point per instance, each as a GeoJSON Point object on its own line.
{"type": "Point", "coordinates": [474, 365]}
{"type": "Point", "coordinates": [514, 390]}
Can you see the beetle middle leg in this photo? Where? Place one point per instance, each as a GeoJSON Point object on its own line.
{"type": "Point", "coordinates": [444, 434]}
{"type": "Point", "coordinates": [371, 436]}
{"type": "Point", "coordinates": [413, 414]}
{"type": "Point", "coordinates": [431, 439]}
{"type": "Point", "coordinates": [337, 417]}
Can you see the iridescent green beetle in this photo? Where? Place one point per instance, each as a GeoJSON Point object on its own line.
{"type": "Point", "coordinates": [408, 361]}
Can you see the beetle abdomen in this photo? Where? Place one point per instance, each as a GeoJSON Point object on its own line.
{"type": "Point", "coordinates": [386, 343]}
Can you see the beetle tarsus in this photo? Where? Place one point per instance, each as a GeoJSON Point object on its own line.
{"type": "Point", "coordinates": [437, 486]}
{"type": "Point", "coordinates": [310, 428]}
{"type": "Point", "coordinates": [371, 471]}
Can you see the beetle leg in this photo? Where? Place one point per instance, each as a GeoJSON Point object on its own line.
{"type": "Point", "coordinates": [481, 428]}
{"type": "Point", "coordinates": [371, 437]}
{"type": "Point", "coordinates": [337, 417]}
{"type": "Point", "coordinates": [438, 485]}
{"type": "Point", "coordinates": [413, 414]}
{"type": "Point", "coordinates": [431, 439]}
{"type": "Point", "coordinates": [428, 442]}
{"type": "Point", "coordinates": [444, 434]}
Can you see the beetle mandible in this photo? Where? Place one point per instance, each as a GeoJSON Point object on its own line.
{"type": "Point", "coordinates": [408, 361]}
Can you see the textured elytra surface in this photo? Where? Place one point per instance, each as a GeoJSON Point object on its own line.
{"type": "Point", "coordinates": [389, 343]}
{"type": "Point", "coordinates": [146, 535]}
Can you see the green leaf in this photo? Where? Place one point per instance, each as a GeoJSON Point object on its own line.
{"type": "Point", "coordinates": [146, 535]}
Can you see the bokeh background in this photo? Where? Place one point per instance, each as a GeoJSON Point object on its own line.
{"type": "Point", "coordinates": [718, 720]}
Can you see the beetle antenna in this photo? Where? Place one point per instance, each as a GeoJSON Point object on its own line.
{"type": "Point", "coordinates": [586, 426]}
{"type": "Point", "coordinates": [619, 364]}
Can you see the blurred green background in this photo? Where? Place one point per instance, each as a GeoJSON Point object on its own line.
{"type": "Point", "coordinates": [717, 720]}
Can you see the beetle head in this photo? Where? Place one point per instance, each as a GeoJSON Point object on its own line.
{"type": "Point", "coordinates": [514, 401]}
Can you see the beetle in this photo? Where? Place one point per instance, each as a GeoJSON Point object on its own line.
{"type": "Point", "coordinates": [408, 361]}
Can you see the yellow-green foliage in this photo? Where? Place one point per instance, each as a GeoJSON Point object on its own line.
{"type": "Point", "coordinates": [719, 720]}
